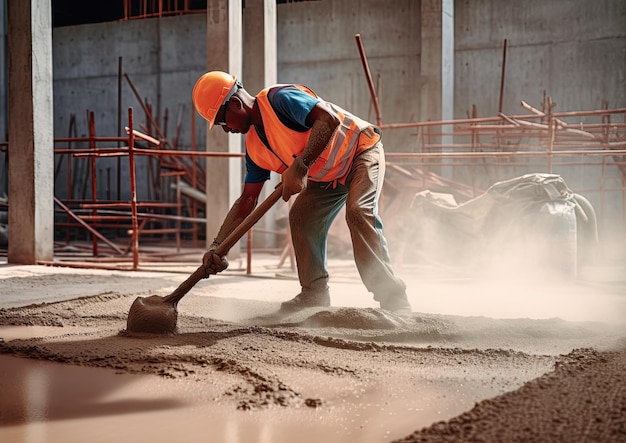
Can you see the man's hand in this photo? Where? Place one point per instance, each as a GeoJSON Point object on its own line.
{"type": "Point", "coordinates": [213, 263]}
{"type": "Point", "coordinates": [294, 178]}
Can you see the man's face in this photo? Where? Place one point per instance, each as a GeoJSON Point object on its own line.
{"type": "Point", "coordinates": [232, 117]}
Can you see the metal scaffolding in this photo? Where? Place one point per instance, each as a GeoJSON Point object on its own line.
{"type": "Point", "coordinates": [462, 157]}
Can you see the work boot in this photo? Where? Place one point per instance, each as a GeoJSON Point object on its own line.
{"type": "Point", "coordinates": [306, 300]}
{"type": "Point", "coordinates": [398, 304]}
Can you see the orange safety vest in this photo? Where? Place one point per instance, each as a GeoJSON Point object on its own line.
{"type": "Point", "coordinates": [352, 136]}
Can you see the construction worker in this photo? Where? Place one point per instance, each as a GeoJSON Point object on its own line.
{"type": "Point", "coordinates": [326, 155]}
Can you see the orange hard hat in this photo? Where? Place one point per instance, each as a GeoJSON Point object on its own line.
{"type": "Point", "coordinates": [213, 90]}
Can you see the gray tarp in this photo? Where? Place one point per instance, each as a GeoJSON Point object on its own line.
{"type": "Point", "coordinates": [527, 220]}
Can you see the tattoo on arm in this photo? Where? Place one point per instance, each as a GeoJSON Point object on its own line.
{"type": "Point", "coordinates": [320, 135]}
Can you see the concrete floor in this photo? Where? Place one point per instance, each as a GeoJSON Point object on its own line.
{"type": "Point", "coordinates": [51, 402]}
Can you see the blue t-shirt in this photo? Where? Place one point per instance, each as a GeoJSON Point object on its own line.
{"type": "Point", "coordinates": [292, 106]}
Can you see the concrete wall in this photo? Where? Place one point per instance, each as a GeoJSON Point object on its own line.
{"type": "Point", "coordinates": [574, 50]}
{"type": "Point", "coordinates": [161, 57]}
{"type": "Point", "coordinates": [317, 47]}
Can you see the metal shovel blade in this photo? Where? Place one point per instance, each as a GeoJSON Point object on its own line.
{"type": "Point", "coordinates": [153, 315]}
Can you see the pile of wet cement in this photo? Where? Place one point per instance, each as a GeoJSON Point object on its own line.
{"type": "Point", "coordinates": [250, 365]}
{"type": "Point", "coordinates": [583, 399]}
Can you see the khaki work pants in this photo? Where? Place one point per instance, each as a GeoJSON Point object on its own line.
{"type": "Point", "coordinates": [316, 207]}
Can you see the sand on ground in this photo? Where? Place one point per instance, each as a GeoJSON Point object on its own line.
{"type": "Point", "coordinates": [540, 363]}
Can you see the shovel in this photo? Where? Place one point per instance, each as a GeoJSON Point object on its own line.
{"type": "Point", "coordinates": [158, 315]}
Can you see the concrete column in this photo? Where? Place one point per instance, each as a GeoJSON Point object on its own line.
{"type": "Point", "coordinates": [3, 78]}
{"type": "Point", "coordinates": [31, 135]}
{"type": "Point", "coordinates": [260, 46]}
{"type": "Point", "coordinates": [260, 53]}
{"type": "Point", "coordinates": [437, 63]}
{"type": "Point", "coordinates": [447, 59]}
{"type": "Point", "coordinates": [224, 53]}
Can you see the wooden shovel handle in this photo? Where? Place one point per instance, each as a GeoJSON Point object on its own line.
{"type": "Point", "coordinates": [249, 221]}
{"type": "Point", "coordinates": [227, 244]}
